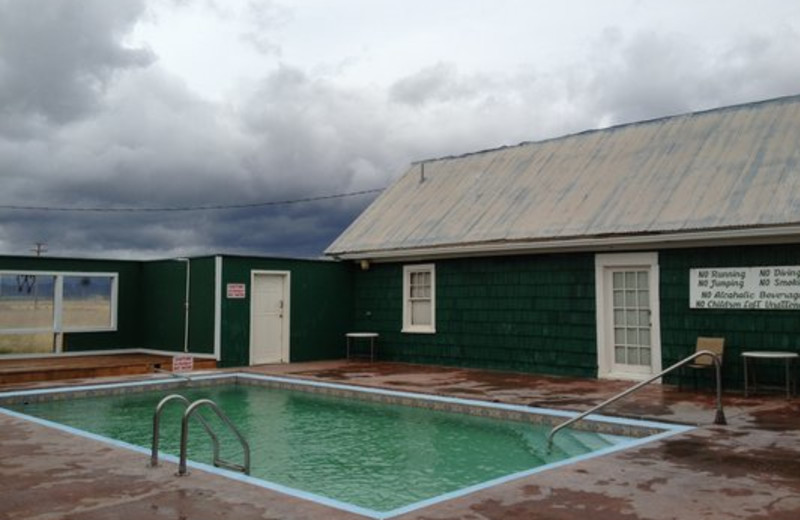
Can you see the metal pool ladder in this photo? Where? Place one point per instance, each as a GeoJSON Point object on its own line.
{"type": "Point", "coordinates": [187, 414]}
{"type": "Point", "coordinates": [718, 419]}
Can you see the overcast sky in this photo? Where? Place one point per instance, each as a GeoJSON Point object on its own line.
{"type": "Point", "coordinates": [179, 103]}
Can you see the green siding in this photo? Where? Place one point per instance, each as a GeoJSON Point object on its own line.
{"type": "Point", "coordinates": [742, 329]}
{"type": "Point", "coordinates": [163, 297]}
{"type": "Point", "coordinates": [164, 294]}
{"type": "Point", "coordinates": [524, 313]}
{"type": "Point", "coordinates": [321, 303]}
{"type": "Point", "coordinates": [533, 313]}
{"type": "Point", "coordinates": [201, 306]}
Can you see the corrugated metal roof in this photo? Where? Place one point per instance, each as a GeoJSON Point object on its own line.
{"type": "Point", "coordinates": [727, 168]}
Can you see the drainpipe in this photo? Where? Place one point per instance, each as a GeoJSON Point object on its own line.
{"type": "Point", "coordinates": [186, 304]}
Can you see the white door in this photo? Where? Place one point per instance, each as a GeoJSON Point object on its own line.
{"type": "Point", "coordinates": [269, 331]}
{"type": "Point", "coordinates": [628, 329]}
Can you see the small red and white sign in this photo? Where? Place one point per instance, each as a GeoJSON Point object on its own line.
{"type": "Point", "coordinates": [182, 364]}
{"type": "Point", "coordinates": [236, 291]}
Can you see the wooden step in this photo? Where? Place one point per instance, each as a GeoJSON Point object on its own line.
{"type": "Point", "coordinates": [15, 371]}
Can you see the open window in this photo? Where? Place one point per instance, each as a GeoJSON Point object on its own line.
{"type": "Point", "coordinates": [419, 298]}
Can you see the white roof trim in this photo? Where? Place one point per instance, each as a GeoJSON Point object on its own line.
{"type": "Point", "coordinates": [749, 236]}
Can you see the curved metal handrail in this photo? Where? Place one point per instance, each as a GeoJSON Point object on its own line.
{"type": "Point", "coordinates": [718, 419]}
{"type": "Point", "coordinates": [157, 428]}
{"type": "Point", "coordinates": [245, 468]}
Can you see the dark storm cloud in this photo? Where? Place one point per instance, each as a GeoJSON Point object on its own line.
{"type": "Point", "coordinates": [58, 56]}
{"type": "Point", "coordinates": [88, 121]}
{"type": "Point", "coordinates": [155, 144]}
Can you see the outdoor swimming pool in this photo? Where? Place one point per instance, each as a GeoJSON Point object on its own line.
{"type": "Point", "coordinates": [378, 453]}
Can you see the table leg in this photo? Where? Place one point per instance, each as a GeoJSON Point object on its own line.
{"type": "Point", "coordinates": [348, 347]}
{"type": "Point", "coordinates": [788, 379]}
{"type": "Point", "coordinates": [746, 379]}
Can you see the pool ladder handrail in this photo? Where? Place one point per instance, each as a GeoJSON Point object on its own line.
{"type": "Point", "coordinates": [187, 414]}
{"type": "Point", "coordinates": [719, 418]}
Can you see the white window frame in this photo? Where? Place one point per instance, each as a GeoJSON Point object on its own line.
{"type": "Point", "coordinates": [408, 327]}
{"type": "Point", "coordinates": [58, 300]}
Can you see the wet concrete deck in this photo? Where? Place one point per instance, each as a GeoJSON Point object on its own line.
{"type": "Point", "coordinates": [746, 470]}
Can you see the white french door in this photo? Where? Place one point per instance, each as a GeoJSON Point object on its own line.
{"type": "Point", "coordinates": [628, 329]}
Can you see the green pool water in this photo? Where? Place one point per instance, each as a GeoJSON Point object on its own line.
{"type": "Point", "coordinates": [372, 455]}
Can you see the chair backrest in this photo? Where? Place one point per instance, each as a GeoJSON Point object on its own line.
{"type": "Point", "coordinates": [715, 345]}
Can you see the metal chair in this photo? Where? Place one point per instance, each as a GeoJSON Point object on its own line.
{"type": "Point", "coordinates": [715, 345]}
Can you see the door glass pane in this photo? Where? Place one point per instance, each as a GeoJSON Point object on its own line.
{"type": "Point", "coordinates": [631, 317]}
{"type": "Point", "coordinates": [644, 318]}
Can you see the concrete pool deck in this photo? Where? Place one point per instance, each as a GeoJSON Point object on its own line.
{"type": "Point", "coordinates": [749, 469]}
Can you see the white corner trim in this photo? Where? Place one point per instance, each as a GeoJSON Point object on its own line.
{"type": "Point", "coordinates": [218, 308]}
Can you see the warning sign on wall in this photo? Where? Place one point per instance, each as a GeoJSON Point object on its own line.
{"type": "Point", "coordinates": [182, 364]}
{"type": "Point", "coordinates": [236, 291]}
{"type": "Point", "coordinates": [758, 288]}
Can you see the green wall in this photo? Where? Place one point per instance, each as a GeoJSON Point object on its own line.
{"type": "Point", "coordinates": [320, 314]}
{"type": "Point", "coordinates": [151, 305]}
{"type": "Point", "coordinates": [523, 313]}
{"type": "Point", "coordinates": [533, 313]}
{"type": "Point", "coordinates": [129, 331]}
{"type": "Point", "coordinates": [163, 297]}
{"type": "Point", "coordinates": [742, 329]}
{"type": "Point", "coordinates": [537, 313]}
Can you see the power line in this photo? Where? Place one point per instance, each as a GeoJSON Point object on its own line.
{"type": "Point", "coordinates": [216, 207]}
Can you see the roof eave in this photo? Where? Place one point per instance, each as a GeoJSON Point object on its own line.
{"type": "Point", "coordinates": [671, 240]}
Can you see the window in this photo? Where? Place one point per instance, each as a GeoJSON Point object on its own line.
{"type": "Point", "coordinates": [87, 303]}
{"type": "Point", "coordinates": [419, 298]}
{"type": "Point", "coordinates": [35, 305]}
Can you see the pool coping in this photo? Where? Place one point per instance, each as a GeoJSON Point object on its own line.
{"type": "Point", "coordinates": [454, 404]}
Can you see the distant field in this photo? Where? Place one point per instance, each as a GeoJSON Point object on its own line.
{"type": "Point", "coordinates": [27, 314]}
{"type": "Point", "coordinates": [26, 343]}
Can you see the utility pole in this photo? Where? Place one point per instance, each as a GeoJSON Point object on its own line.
{"type": "Point", "coordinates": [39, 248]}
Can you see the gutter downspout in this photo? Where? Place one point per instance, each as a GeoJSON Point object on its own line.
{"type": "Point", "coordinates": [186, 304]}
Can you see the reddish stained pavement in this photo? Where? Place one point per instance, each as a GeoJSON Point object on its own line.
{"type": "Point", "coordinates": [749, 469]}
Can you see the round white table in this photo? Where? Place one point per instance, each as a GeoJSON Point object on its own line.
{"type": "Point", "coordinates": [787, 357]}
{"type": "Point", "coordinates": [372, 336]}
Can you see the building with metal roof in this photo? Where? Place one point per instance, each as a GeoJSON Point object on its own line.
{"type": "Point", "coordinates": [718, 175]}
{"type": "Point", "coordinates": [605, 253]}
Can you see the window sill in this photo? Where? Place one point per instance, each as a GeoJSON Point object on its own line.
{"type": "Point", "coordinates": [407, 330]}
